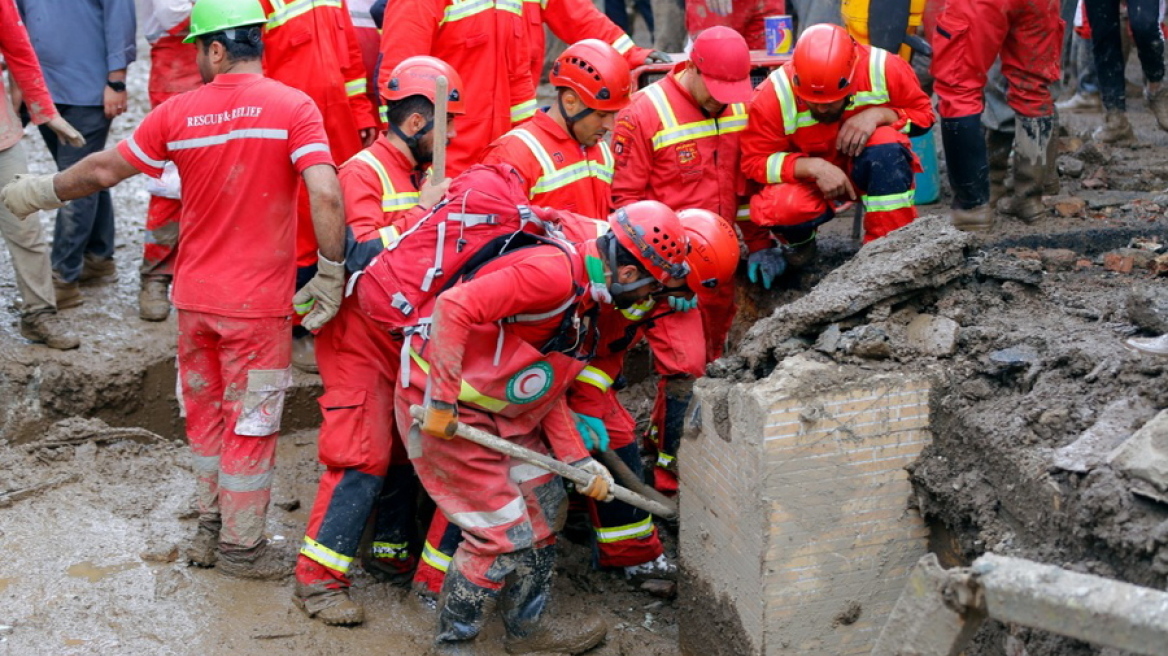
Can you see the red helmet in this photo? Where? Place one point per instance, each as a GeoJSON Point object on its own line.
{"type": "Point", "coordinates": [652, 233]}
{"type": "Point", "coordinates": [596, 72]}
{"type": "Point", "coordinates": [713, 248]}
{"type": "Point", "coordinates": [823, 64]}
{"type": "Point", "coordinates": [417, 76]}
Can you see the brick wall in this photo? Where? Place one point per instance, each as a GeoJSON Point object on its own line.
{"type": "Point", "coordinates": [794, 505]}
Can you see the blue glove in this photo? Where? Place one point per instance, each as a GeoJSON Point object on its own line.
{"type": "Point", "coordinates": [592, 431]}
{"type": "Point", "coordinates": [766, 264]}
{"type": "Point", "coordinates": [683, 304]}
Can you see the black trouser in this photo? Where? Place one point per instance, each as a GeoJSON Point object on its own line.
{"type": "Point", "coordinates": [1144, 17]}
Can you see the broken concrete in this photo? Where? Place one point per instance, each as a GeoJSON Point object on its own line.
{"type": "Point", "coordinates": [923, 255]}
{"type": "Point", "coordinates": [1114, 425]}
{"type": "Point", "coordinates": [1144, 456]}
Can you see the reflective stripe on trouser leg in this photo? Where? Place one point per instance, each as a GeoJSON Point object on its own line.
{"type": "Point", "coordinates": [884, 172]}
{"type": "Point", "coordinates": [395, 529]}
{"type": "Point", "coordinates": [473, 487]}
{"type": "Point", "coordinates": [442, 541]}
{"type": "Point", "coordinates": [625, 534]}
{"type": "Point", "coordinates": [216, 356]}
{"type": "Point", "coordinates": [160, 243]}
{"type": "Point", "coordinates": [344, 499]}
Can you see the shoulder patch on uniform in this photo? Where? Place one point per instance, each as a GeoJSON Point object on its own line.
{"type": "Point", "coordinates": [626, 122]}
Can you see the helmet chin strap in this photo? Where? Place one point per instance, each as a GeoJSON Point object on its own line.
{"type": "Point", "coordinates": [615, 287]}
{"type": "Point", "coordinates": [414, 141]}
{"type": "Point", "coordinates": [570, 120]}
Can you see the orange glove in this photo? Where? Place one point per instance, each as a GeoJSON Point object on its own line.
{"type": "Point", "coordinates": [441, 419]}
{"type": "Point", "coordinates": [601, 486]}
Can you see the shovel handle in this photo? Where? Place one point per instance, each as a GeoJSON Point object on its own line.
{"type": "Point", "coordinates": [441, 94]}
{"type": "Point", "coordinates": [578, 476]}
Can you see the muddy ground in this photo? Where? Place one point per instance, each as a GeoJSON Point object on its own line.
{"type": "Point", "coordinates": [89, 531]}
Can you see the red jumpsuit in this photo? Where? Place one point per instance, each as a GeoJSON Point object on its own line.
{"type": "Point", "coordinates": [571, 21]}
{"type": "Point", "coordinates": [971, 34]}
{"type": "Point", "coordinates": [172, 71]}
{"type": "Point", "coordinates": [366, 464]}
{"type": "Point", "coordinates": [560, 173]}
{"type": "Point", "coordinates": [311, 46]}
{"type": "Point", "coordinates": [487, 42]}
{"type": "Point", "coordinates": [781, 130]}
{"type": "Point", "coordinates": [746, 18]}
{"type": "Point", "coordinates": [502, 506]}
{"type": "Point", "coordinates": [369, 41]}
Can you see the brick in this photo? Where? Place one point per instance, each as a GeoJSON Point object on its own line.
{"type": "Point", "coordinates": [1118, 263]}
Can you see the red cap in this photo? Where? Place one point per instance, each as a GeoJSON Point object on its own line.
{"type": "Point", "coordinates": [723, 60]}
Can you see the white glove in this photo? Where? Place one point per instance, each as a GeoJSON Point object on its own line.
{"type": "Point", "coordinates": [602, 482]}
{"type": "Point", "coordinates": [321, 297]}
{"type": "Point", "coordinates": [29, 193]}
{"type": "Point", "coordinates": [66, 132]}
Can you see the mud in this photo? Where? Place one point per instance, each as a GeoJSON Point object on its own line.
{"type": "Point", "coordinates": [90, 530]}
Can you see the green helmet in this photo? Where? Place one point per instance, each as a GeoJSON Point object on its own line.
{"type": "Point", "coordinates": [210, 16]}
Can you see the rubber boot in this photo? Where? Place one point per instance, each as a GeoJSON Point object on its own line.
{"type": "Point", "coordinates": [463, 610]}
{"type": "Point", "coordinates": [203, 549]}
{"type": "Point", "coordinates": [153, 299]}
{"type": "Point", "coordinates": [1051, 185]}
{"type": "Point", "coordinates": [999, 145]}
{"type": "Point", "coordinates": [265, 562]}
{"type": "Point", "coordinates": [678, 394]}
{"type": "Point", "coordinates": [1032, 140]}
{"type": "Point", "coordinates": [1158, 103]}
{"type": "Point", "coordinates": [524, 604]}
{"type": "Point", "coordinates": [968, 162]}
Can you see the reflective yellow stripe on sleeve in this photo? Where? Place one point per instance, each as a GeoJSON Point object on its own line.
{"type": "Point", "coordinates": [523, 111]}
{"type": "Point", "coordinates": [286, 11]}
{"type": "Point", "coordinates": [460, 9]}
{"type": "Point", "coordinates": [356, 87]}
{"type": "Point", "coordinates": [466, 393]}
{"type": "Point", "coordinates": [595, 377]}
{"type": "Point", "coordinates": [774, 172]}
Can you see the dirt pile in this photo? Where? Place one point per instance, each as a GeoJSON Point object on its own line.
{"type": "Point", "coordinates": [1034, 391]}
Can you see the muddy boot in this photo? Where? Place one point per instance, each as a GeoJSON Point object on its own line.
{"type": "Point", "coordinates": [999, 144]}
{"type": "Point", "coordinates": [1158, 103]}
{"type": "Point", "coordinates": [97, 269]}
{"type": "Point", "coordinates": [1115, 129]}
{"type": "Point", "coordinates": [333, 606]}
{"type": "Point", "coordinates": [397, 572]}
{"type": "Point", "coordinates": [304, 354]}
{"type": "Point", "coordinates": [524, 602]}
{"type": "Point", "coordinates": [1032, 139]}
{"type": "Point", "coordinates": [203, 549]}
{"type": "Point", "coordinates": [43, 327]}
{"type": "Point", "coordinates": [153, 302]}
{"type": "Point", "coordinates": [68, 293]}
{"type": "Point", "coordinates": [968, 160]}
{"type": "Point", "coordinates": [800, 255]}
{"type": "Point", "coordinates": [1051, 185]}
{"type": "Point", "coordinates": [263, 561]}
{"type": "Point", "coordinates": [463, 610]}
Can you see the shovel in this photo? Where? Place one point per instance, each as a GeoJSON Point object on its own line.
{"type": "Point", "coordinates": [578, 476]}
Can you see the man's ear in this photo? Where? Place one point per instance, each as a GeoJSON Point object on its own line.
{"type": "Point", "coordinates": [627, 273]}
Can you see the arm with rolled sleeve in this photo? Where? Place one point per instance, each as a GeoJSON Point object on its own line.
{"type": "Point", "coordinates": [768, 156]}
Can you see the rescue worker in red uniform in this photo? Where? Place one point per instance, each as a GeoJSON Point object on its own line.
{"type": "Point", "coordinates": [367, 470]}
{"type": "Point", "coordinates": [242, 144]}
{"type": "Point", "coordinates": [970, 35]}
{"type": "Point", "coordinates": [509, 511]}
{"type": "Point", "coordinates": [742, 16]}
{"type": "Point", "coordinates": [488, 43]}
{"type": "Point", "coordinates": [625, 535]}
{"type": "Point", "coordinates": [567, 165]}
{"type": "Point", "coordinates": [172, 71]}
{"type": "Point", "coordinates": [831, 125]}
{"type": "Point", "coordinates": [677, 142]}
{"type": "Point", "coordinates": [572, 21]}
{"type": "Point", "coordinates": [311, 46]}
{"type": "Point", "coordinates": [561, 152]}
